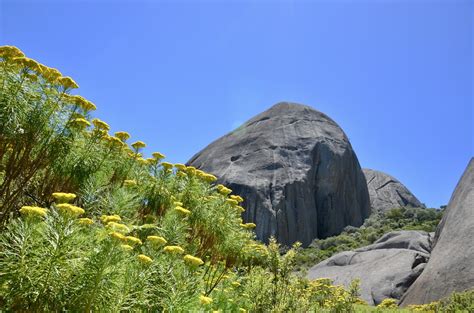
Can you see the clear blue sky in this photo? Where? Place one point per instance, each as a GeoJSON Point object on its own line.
{"type": "Point", "coordinates": [396, 75]}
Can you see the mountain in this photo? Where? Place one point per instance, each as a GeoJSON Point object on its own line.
{"type": "Point", "coordinates": [387, 193]}
{"type": "Point", "coordinates": [296, 170]}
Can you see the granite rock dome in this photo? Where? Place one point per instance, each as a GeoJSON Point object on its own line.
{"type": "Point", "coordinates": [297, 171]}
{"type": "Point", "coordinates": [387, 193]}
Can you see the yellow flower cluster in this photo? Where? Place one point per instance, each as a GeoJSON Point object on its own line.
{"type": "Point", "coordinates": [180, 167]}
{"type": "Point", "coordinates": [240, 209]}
{"type": "Point", "coordinates": [173, 249]}
{"type": "Point", "coordinates": [248, 225]}
{"type": "Point", "coordinates": [144, 259]}
{"type": "Point", "coordinates": [117, 235]}
{"type": "Point", "coordinates": [223, 190]}
{"type": "Point", "coordinates": [206, 177]}
{"type": "Point", "coordinates": [192, 260]}
{"type": "Point", "coordinates": [85, 104]}
{"type": "Point", "coordinates": [232, 202]}
{"type": "Point", "coordinates": [124, 136]}
{"type": "Point", "coordinates": [182, 210]}
{"type": "Point", "coordinates": [70, 209]}
{"type": "Point", "coordinates": [126, 247]}
{"type": "Point", "coordinates": [158, 155]}
{"type": "Point", "coordinates": [157, 240]}
{"type": "Point", "coordinates": [86, 221]}
{"type": "Point", "coordinates": [63, 197]}
{"type": "Point", "coordinates": [118, 227]}
{"type": "Point", "coordinates": [33, 211]}
{"type": "Point", "coordinates": [110, 218]}
{"type": "Point", "coordinates": [100, 125]}
{"type": "Point", "coordinates": [133, 240]}
{"type": "Point", "coordinates": [81, 122]}
{"type": "Point", "coordinates": [67, 82]}
{"type": "Point", "coordinates": [10, 52]}
{"type": "Point", "coordinates": [114, 141]}
{"type": "Point", "coordinates": [388, 303]}
{"type": "Point", "coordinates": [167, 166]}
{"type": "Point", "coordinates": [237, 198]}
{"type": "Point", "coordinates": [205, 300]}
{"type": "Point", "coordinates": [138, 145]}
{"type": "Point", "coordinates": [129, 182]}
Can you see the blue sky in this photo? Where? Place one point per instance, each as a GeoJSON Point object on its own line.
{"type": "Point", "coordinates": [397, 76]}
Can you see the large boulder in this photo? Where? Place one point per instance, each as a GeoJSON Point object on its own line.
{"type": "Point", "coordinates": [387, 193]}
{"type": "Point", "coordinates": [386, 268]}
{"type": "Point", "coordinates": [451, 266]}
{"type": "Point", "coordinates": [297, 171]}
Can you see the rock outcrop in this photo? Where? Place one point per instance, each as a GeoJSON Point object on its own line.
{"type": "Point", "coordinates": [386, 268]}
{"type": "Point", "coordinates": [387, 193]}
{"type": "Point", "coordinates": [297, 171]}
{"type": "Point", "coordinates": [451, 266]}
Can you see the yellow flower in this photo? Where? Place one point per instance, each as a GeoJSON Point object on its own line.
{"type": "Point", "coordinates": [138, 144]}
{"type": "Point", "coordinates": [81, 122]}
{"type": "Point", "coordinates": [49, 73]}
{"type": "Point", "coordinates": [223, 190]}
{"type": "Point", "coordinates": [180, 167]}
{"type": "Point", "coordinates": [27, 62]}
{"type": "Point", "coordinates": [181, 174]}
{"type": "Point", "coordinates": [142, 161]}
{"type": "Point", "coordinates": [248, 225]}
{"type": "Point", "coordinates": [129, 182]}
{"type": "Point", "coordinates": [124, 136]}
{"type": "Point", "coordinates": [191, 170]}
{"type": "Point", "coordinates": [101, 125]}
{"type": "Point", "coordinates": [10, 52]}
{"type": "Point", "coordinates": [237, 198]}
{"type": "Point", "coordinates": [158, 155]}
{"type": "Point", "coordinates": [205, 300]}
{"type": "Point", "coordinates": [157, 240]}
{"type": "Point", "coordinates": [235, 284]}
{"type": "Point", "coordinates": [178, 203]}
{"type": "Point", "coordinates": [126, 247]}
{"type": "Point", "coordinates": [242, 310]}
{"type": "Point", "coordinates": [192, 260]}
{"type": "Point", "coordinates": [117, 235]}
{"type": "Point", "coordinates": [240, 209]}
{"type": "Point", "coordinates": [118, 227]}
{"type": "Point", "coordinates": [86, 105]}
{"type": "Point", "coordinates": [133, 240]}
{"type": "Point", "coordinates": [144, 259]}
{"type": "Point", "coordinates": [232, 202]}
{"type": "Point", "coordinates": [86, 221]}
{"type": "Point", "coordinates": [209, 178]}
{"type": "Point", "coordinates": [33, 211]}
{"type": "Point", "coordinates": [70, 209]}
{"type": "Point", "coordinates": [167, 165]}
{"type": "Point", "coordinates": [182, 210]}
{"type": "Point", "coordinates": [63, 197]}
{"type": "Point", "coordinates": [110, 218]}
{"type": "Point", "coordinates": [67, 82]}
{"type": "Point", "coordinates": [173, 249]}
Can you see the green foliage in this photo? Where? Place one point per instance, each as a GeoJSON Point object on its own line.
{"type": "Point", "coordinates": [374, 227]}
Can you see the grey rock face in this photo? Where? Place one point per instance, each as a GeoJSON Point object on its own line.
{"type": "Point", "coordinates": [297, 171]}
{"type": "Point", "coordinates": [386, 268]}
{"type": "Point", "coordinates": [387, 193]}
{"type": "Point", "coordinates": [451, 266]}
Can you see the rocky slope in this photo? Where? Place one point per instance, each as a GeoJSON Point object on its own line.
{"type": "Point", "coordinates": [296, 170]}
{"type": "Point", "coordinates": [451, 266]}
{"type": "Point", "coordinates": [387, 193]}
{"type": "Point", "coordinates": [386, 268]}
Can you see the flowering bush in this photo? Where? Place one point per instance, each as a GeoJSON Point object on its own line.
{"type": "Point", "coordinates": [89, 224]}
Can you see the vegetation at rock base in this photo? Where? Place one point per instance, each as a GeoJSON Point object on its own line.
{"type": "Point", "coordinates": [89, 224]}
{"type": "Point", "coordinates": [378, 224]}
